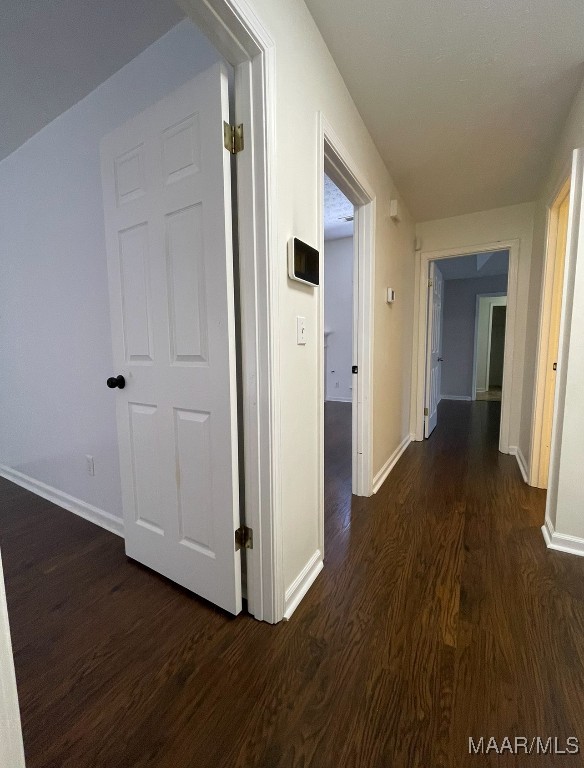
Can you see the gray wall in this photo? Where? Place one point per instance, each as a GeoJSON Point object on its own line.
{"type": "Point", "coordinates": [458, 327]}
{"type": "Point", "coordinates": [55, 336]}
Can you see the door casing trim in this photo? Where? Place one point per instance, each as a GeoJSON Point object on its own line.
{"type": "Point", "coordinates": [239, 35]}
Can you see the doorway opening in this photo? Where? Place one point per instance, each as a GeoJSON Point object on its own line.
{"type": "Point", "coordinates": [466, 337]}
{"type": "Point", "coordinates": [354, 341]}
{"type": "Point", "coordinates": [489, 349]}
{"type": "Point", "coordinates": [465, 340]}
{"type": "Point", "coordinates": [338, 344]}
{"type": "Point", "coordinates": [549, 336]}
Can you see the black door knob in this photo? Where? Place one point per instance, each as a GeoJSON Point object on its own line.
{"type": "Point", "coordinates": [116, 381]}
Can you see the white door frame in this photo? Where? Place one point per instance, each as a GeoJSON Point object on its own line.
{"type": "Point", "coordinates": [336, 162]}
{"type": "Point", "coordinates": [480, 296]}
{"type": "Point", "coordinates": [536, 475]}
{"type": "Point", "coordinates": [421, 303]}
{"type": "Point", "coordinates": [241, 38]}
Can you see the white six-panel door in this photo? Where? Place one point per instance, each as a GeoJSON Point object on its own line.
{"type": "Point", "coordinates": [433, 375]}
{"type": "Point", "coordinates": [166, 187]}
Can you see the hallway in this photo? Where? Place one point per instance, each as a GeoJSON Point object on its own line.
{"type": "Point", "coordinates": [439, 615]}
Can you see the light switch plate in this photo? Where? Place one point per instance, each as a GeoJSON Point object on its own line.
{"type": "Point", "coordinates": [301, 330]}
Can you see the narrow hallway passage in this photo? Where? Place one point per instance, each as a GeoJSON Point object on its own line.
{"type": "Point", "coordinates": [439, 616]}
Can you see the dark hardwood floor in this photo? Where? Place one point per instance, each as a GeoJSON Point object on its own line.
{"type": "Point", "coordinates": [439, 615]}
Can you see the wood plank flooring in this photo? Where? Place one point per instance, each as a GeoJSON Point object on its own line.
{"type": "Point", "coordinates": [439, 615]}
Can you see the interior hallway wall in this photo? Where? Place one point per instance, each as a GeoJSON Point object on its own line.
{"type": "Point", "coordinates": [338, 318]}
{"type": "Point", "coordinates": [308, 83]}
{"type": "Point", "coordinates": [458, 330]}
{"type": "Point", "coordinates": [473, 229]}
{"type": "Point", "coordinates": [55, 337]}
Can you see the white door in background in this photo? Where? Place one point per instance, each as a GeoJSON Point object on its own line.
{"type": "Point", "coordinates": [433, 344]}
{"type": "Point", "coordinates": [167, 199]}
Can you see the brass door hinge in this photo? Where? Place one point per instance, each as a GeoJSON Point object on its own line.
{"type": "Point", "coordinates": [430, 283]}
{"type": "Point", "coordinates": [243, 538]}
{"type": "Point", "coordinates": [425, 411]}
{"type": "Point", "coordinates": [233, 137]}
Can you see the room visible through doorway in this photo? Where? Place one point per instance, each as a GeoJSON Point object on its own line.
{"type": "Point", "coordinates": [338, 344]}
{"type": "Point", "coordinates": [467, 319]}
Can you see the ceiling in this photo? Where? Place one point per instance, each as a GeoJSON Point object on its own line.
{"type": "Point", "coordinates": [337, 209]}
{"type": "Point", "coordinates": [463, 98]}
{"type": "Point", "coordinates": [55, 52]}
{"type": "Point", "coordinates": [476, 265]}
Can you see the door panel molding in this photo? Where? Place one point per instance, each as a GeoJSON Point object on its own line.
{"type": "Point", "coordinates": [170, 266]}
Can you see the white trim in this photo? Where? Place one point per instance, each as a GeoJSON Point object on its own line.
{"type": "Point", "coordinates": [100, 517]}
{"type": "Point", "coordinates": [383, 473]}
{"type": "Point", "coordinates": [339, 400]}
{"type": "Point", "coordinates": [419, 368]}
{"type": "Point", "coordinates": [302, 583]}
{"type": "Point", "coordinates": [11, 749]}
{"type": "Point", "coordinates": [239, 35]}
{"type": "Point", "coordinates": [561, 542]}
{"type": "Point", "coordinates": [514, 450]}
{"type": "Point", "coordinates": [455, 397]}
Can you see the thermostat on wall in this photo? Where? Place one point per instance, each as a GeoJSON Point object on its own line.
{"type": "Point", "coordinates": [303, 262]}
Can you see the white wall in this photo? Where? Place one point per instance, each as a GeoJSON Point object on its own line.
{"type": "Point", "coordinates": [473, 229]}
{"type": "Point", "coordinates": [55, 341]}
{"type": "Point", "coordinates": [338, 318]}
{"type": "Point", "coordinates": [483, 328]}
{"type": "Point", "coordinates": [308, 81]}
{"type": "Point", "coordinates": [458, 329]}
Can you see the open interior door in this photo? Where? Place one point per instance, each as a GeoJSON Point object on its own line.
{"type": "Point", "coordinates": [433, 357]}
{"type": "Point", "coordinates": [565, 497]}
{"type": "Point", "coordinates": [166, 188]}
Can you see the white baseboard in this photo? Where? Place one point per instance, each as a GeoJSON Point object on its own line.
{"type": "Point", "coordinates": [561, 541]}
{"type": "Point", "coordinates": [518, 453]}
{"type": "Point", "coordinates": [302, 584]}
{"type": "Point", "coordinates": [82, 508]}
{"type": "Point", "coordinates": [338, 400]}
{"type": "Point", "coordinates": [380, 477]}
{"type": "Point", "coordinates": [481, 390]}
{"type": "Point", "coordinates": [455, 397]}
